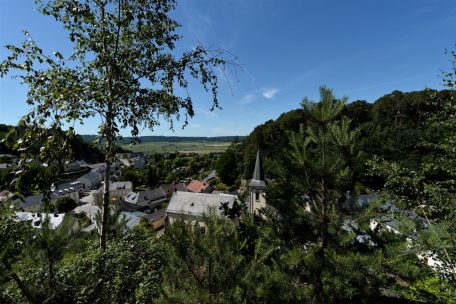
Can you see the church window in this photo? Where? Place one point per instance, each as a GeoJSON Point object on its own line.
{"type": "Point", "coordinates": [257, 196]}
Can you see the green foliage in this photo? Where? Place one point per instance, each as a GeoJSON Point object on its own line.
{"type": "Point", "coordinates": [330, 251]}
{"type": "Point", "coordinates": [171, 177]}
{"type": "Point", "coordinates": [227, 164]}
{"type": "Point", "coordinates": [208, 263]}
{"type": "Point", "coordinates": [65, 204]}
{"type": "Point", "coordinates": [123, 68]}
{"type": "Point", "coordinates": [433, 289]}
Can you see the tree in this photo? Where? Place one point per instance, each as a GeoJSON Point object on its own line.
{"type": "Point", "coordinates": [51, 243]}
{"type": "Point", "coordinates": [226, 166]}
{"type": "Point", "coordinates": [65, 204]}
{"type": "Point", "coordinates": [428, 188]}
{"type": "Point", "coordinates": [152, 177]}
{"type": "Point", "coordinates": [322, 252]}
{"type": "Point", "coordinates": [14, 234]}
{"type": "Point", "coordinates": [123, 69]}
{"type": "Point", "coordinates": [213, 260]}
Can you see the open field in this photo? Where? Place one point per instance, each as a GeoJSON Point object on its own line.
{"type": "Point", "coordinates": [201, 147]}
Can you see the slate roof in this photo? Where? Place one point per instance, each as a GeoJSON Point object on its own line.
{"type": "Point", "coordinates": [93, 177]}
{"type": "Point", "coordinates": [211, 175]}
{"type": "Point", "coordinates": [145, 197]}
{"type": "Point", "coordinates": [197, 204]}
{"type": "Point", "coordinates": [120, 185]}
{"type": "Point", "coordinates": [258, 174]}
{"type": "Point", "coordinates": [197, 186]}
{"type": "Point", "coordinates": [169, 188]}
{"type": "Point", "coordinates": [157, 215]}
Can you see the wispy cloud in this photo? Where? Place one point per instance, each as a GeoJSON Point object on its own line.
{"type": "Point", "coordinates": [269, 93]}
{"type": "Point", "coordinates": [248, 98]}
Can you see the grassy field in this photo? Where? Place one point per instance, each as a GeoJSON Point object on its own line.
{"type": "Point", "coordinates": [201, 147]}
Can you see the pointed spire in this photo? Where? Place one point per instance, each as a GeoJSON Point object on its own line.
{"type": "Point", "coordinates": [258, 173]}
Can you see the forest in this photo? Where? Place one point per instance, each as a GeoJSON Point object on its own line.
{"type": "Point", "coordinates": [361, 196]}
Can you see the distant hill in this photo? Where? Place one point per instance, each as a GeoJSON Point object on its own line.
{"type": "Point", "coordinates": [145, 139]}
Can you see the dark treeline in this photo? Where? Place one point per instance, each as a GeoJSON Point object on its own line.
{"type": "Point", "coordinates": [392, 127]}
{"type": "Point", "coordinates": [146, 139]}
{"type": "Point", "coordinates": [80, 149]}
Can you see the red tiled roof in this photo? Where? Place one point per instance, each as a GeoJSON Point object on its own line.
{"type": "Point", "coordinates": [196, 186]}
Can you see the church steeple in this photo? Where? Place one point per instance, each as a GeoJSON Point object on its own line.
{"type": "Point", "coordinates": [258, 173]}
{"type": "Point", "coordinates": [257, 186]}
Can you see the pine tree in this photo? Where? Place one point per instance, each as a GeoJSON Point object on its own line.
{"type": "Point", "coordinates": [322, 249]}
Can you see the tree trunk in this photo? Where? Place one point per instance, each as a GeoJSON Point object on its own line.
{"type": "Point", "coordinates": [105, 209]}
{"type": "Point", "coordinates": [51, 270]}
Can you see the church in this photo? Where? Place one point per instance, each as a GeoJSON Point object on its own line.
{"type": "Point", "coordinates": [256, 199]}
{"type": "Point", "coordinates": [191, 206]}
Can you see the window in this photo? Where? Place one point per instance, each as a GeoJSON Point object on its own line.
{"type": "Point", "coordinates": [257, 196]}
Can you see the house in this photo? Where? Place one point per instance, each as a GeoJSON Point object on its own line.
{"type": "Point", "coordinates": [68, 192]}
{"type": "Point", "coordinates": [150, 198]}
{"type": "Point", "coordinates": [34, 202]}
{"type": "Point", "coordinates": [132, 218]}
{"type": "Point", "coordinates": [157, 219]}
{"type": "Point", "coordinates": [210, 177]}
{"type": "Point", "coordinates": [120, 189]}
{"type": "Point", "coordinates": [171, 188]}
{"type": "Point", "coordinates": [37, 219]}
{"type": "Point", "coordinates": [138, 160]}
{"type": "Point", "coordinates": [199, 187]}
{"type": "Point", "coordinates": [90, 180]}
{"type": "Point", "coordinates": [190, 205]}
{"type": "Point", "coordinates": [77, 186]}
{"type": "Point", "coordinates": [71, 167]}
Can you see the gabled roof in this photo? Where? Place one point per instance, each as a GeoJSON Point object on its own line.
{"type": "Point", "coordinates": [169, 188]}
{"type": "Point", "coordinates": [197, 186]}
{"type": "Point", "coordinates": [120, 186]}
{"type": "Point", "coordinates": [211, 175]}
{"type": "Point", "coordinates": [144, 197]}
{"type": "Point", "coordinates": [197, 204]}
{"type": "Point", "coordinates": [92, 177]}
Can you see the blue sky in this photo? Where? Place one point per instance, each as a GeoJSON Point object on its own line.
{"type": "Point", "coordinates": [363, 49]}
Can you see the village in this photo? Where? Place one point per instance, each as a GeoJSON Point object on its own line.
{"type": "Point", "coordinates": [81, 197]}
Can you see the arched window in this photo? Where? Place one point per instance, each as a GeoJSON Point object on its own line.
{"type": "Point", "coordinates": [257, 196]}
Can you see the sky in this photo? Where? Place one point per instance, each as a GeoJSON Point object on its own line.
{"type": "Point", "coordinates": [286, 49]}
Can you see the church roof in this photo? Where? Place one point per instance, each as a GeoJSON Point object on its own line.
{"type": "Point", "coordinates": [258, 174]}
{"type": "Point", "coordinates": [197, 204]}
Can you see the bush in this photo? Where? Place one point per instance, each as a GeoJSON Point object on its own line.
{"type": "Point", "coordinates": [65, 204]}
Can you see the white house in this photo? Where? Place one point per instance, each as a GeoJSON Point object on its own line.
{"type": "Point", "coordinates": [37, 219]}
